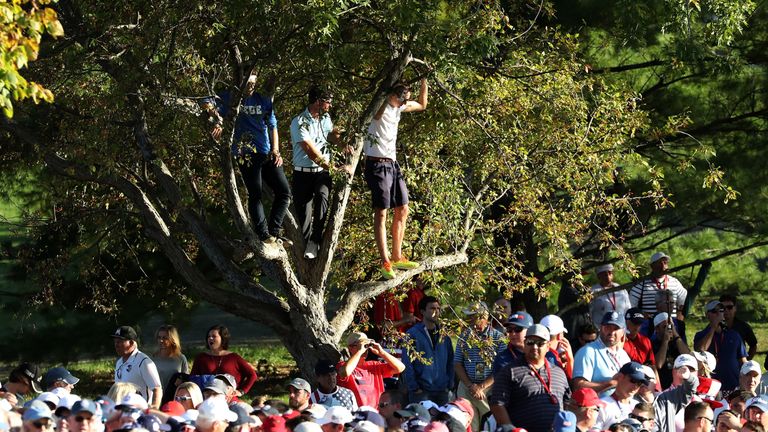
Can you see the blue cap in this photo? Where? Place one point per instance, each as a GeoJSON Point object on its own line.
{"type": "Point", "coordinates": [613, 318]}
{"type": "Point", "coordinates": [634, 371]}
{"type": "Point", "coordinates": [758, 402]}
{"type": "Point", "coordinates": [84, 405]}
{"type": "Point", "coordinates": [520, 319]}
{"type": "Point", "coordinates": [58, 374]}
{"type": "Point", "coordinates": [565, 421]}
{"type": "Point", "coordinates": [36, 410]}
{"type": "Point", "coordinates": [632, 423]}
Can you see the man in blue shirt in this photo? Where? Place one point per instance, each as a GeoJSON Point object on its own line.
{"type": "Point", "coordinates": [256, 150]}
{"type": "Point", "coordinates": [597, 363]}
{"type": "Point", "coordinates": [726, 344]}
{"type": "Point", "coordinates": [310, 132]}
{"type": "Point", "coordinates": [428, 357]}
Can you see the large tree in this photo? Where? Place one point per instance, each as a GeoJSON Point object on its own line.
{"type": "Point", "coordinates": [513, 169]}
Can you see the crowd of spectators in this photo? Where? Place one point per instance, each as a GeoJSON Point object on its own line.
{"type": "Point", "coordinates": [628, 367]}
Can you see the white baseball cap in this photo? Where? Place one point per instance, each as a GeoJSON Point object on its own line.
{"type": "Point", "coordinates": [554, 324]}
{"type": "Point", "coordinates": [660, 318]}
{"type": "Point", "coordinates": [336, 415]}
{"type": "Point", "coordinates": [751, 366]}
{"type": "Point", "coordinates": [657, 256]}
{"type": "Point", "coordinates": [686, 360]}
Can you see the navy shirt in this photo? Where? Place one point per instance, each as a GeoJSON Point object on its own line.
{"type": "Point", "coordinates": [728, 349]}
{"type": "Point", "coordinates": [256, 118]}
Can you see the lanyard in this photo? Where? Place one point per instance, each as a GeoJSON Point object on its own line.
{"type": "Point", "coordinates": [552, 397]}
{"type": "Point", "coordinates": [612, 300]}
{"type": "Point", "coordinates": [614, 358]}
{"type": "Point", "coordinates": [717, 346]}
{"type": "Point", "coordinates": [663, 284]}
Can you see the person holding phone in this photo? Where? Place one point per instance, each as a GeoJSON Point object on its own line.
{"type": "Point", "coordinates": [366, 377]}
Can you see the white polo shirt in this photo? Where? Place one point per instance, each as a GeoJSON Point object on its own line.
{"type": "Point", "coordinates": [140, 371]}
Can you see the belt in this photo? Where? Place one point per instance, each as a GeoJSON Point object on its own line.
{"type": "Point", "coordinates": [308, 169]}
{"type": "Point", "coordinates": [378, 159]}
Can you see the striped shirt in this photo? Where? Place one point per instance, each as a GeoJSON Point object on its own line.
{"type": "Point", "coordinates": [525, 397]}
{"type": "Point", "coordinates": [476, 352]}
{"type": "Point", "coordinates": [643, 294]}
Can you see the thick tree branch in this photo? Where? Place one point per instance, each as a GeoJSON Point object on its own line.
{"type": "Point", "coordinates": [360, 292]}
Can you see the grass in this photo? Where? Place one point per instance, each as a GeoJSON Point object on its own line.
{"type": "Point", "coordinates": [274, 366]}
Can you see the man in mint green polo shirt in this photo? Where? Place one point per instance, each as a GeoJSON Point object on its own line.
{"type": "Point", "coordinates": [312, 159]}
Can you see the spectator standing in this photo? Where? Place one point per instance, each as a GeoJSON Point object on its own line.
{"type": "Point", "coordinates": [218, 360]}
{"type": "Point", "coordinates": [601, 304]}
{"type": "Point", "coordinates": [586, 405]}
{"type": "Point", "coordinates": [637, 346]}
{"type": "Point", "coordinates": [586, 333]}
{"type": "Point", "coordinates": [667, 346]}
{"type": "Point", "coordinates": [328, 392]}
{"type": "Point", "coordinates": [698, 417]}
{"type": "Point", "coordinates": [433, 380]}
{"type": "Point", "coordinates": [675, 398]}
{"type": "Point", "coordinates": [597, 363]}
{"type": "Point", "coordinates": [311, 132]}
{"type": "Point", "coordinates": [168, 357]}
{"type": "Point", "coordinates": [256, 150]}
{"type": "Point", "coordinates": [299, 392]}
{"type": "Point", "coordinates": [643, 294]}
{"type": "Point", "coordinates": [502, 309]}
{"type": "Point", "coordinates": [724, 343]}
{"type": "Point", "coordinates": [366, 377]}
{"type": "Point", "coordinates": [742, 327]}
{"type": "Point", "coordinates": [529, 392]}
{"type": "Point", "coordinates": [135, 367]}
{"type": "Point", "coordinates": [559, 348]}
{"type": "Point", "coordinates": [60, 378]}
{"type": "Point", "coordinates": [478, 345]}
{"type": "Point", "coordinates": [22, 381]}
{"type": "Point", "coordinates": [619, 405]}
{"type": "Point", "coordinates": [382, 173]}
{"type": "Point", "coordinates": [517, 325]}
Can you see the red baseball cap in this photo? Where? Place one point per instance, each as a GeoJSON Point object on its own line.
{"type": "Point", "coordinates": [586, 397]}
{"type": "Point", "coordinates": [463, 405]}
{"type": "Point", "coordinates": [173, 408]}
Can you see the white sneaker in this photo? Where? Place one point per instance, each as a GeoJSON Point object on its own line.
{"type": "Point", "coordinates": [311, 251]}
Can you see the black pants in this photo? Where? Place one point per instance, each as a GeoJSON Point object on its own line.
{"type": "Point", "coordinates": [255, 169]}
{"type": "Point", "coordinates": [311, 191]}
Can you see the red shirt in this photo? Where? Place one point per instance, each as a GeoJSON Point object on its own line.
{"type": "Point", "coordinates": [411, 303]}
{"type": "Point", "coordinates": [640, 350]}
{"type": "Point", "coordinates": [366, 381]}
{"type": "Point", "coordinates": [386, 307]}
{"type": "Point", "coordinates": [233, 364]}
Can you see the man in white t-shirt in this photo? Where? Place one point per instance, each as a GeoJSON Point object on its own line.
{"type": "Point", "coordinates": [601, 304]}
{"type": "Point", "coordinates": [382, 173]}
{"type": "Point", "coordinates": [135, 367]}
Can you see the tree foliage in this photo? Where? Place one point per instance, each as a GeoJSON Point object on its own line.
{"type": "Point", "coordinates": [531, 163]}
{"type": "Point", "coordinates": [24, 23]}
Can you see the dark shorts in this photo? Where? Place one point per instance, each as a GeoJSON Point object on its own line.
{"type": "Point", "coordinates": [388, 189]}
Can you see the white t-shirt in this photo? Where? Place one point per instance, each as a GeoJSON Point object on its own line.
{"type": "Point", "coordinates": [381, 139]}
{"type": "Point", "coordinates": [613, 412]}
{"type": "Point", "coordinates": [616, 301]}
{"type": "Point", "coordinates": [139, 370]}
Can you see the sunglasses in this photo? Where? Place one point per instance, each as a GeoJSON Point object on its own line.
{"type": "Point", "coordinates": [515, 329]}
{"type": "Point", "coordinates": [641, 419]}
{"type": "Point", "coordinates": [182, 398]}
{"type": "Point", "coordinates": [40, 425]}
{"type": "Point", "coordinates": [538, 343]}
{"type": "Point", "coordinates": [81, 419]}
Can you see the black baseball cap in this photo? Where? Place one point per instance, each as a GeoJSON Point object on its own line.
{"type": "Point", "coordinates": [324, 367]}
{"type": "Point", "coordinates": [635, 315]}
{"type": "Point", "coordinates": [125, 333]}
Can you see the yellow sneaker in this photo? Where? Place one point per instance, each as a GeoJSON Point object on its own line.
{"type": "Point", "coordinates": [386, 270]}
{"type": "Point", "coordinates": [404, 264]}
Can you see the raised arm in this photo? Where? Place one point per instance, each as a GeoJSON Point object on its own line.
{"type": "Point", "coordinates": [421, 104]}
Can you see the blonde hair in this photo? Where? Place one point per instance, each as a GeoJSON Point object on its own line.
{"type": "Point", "coordinates": [194, 392]}
{"type": "Point", "coordinates": [173, 336]}
{"type": "Point", "coordinates": [119, 390]}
